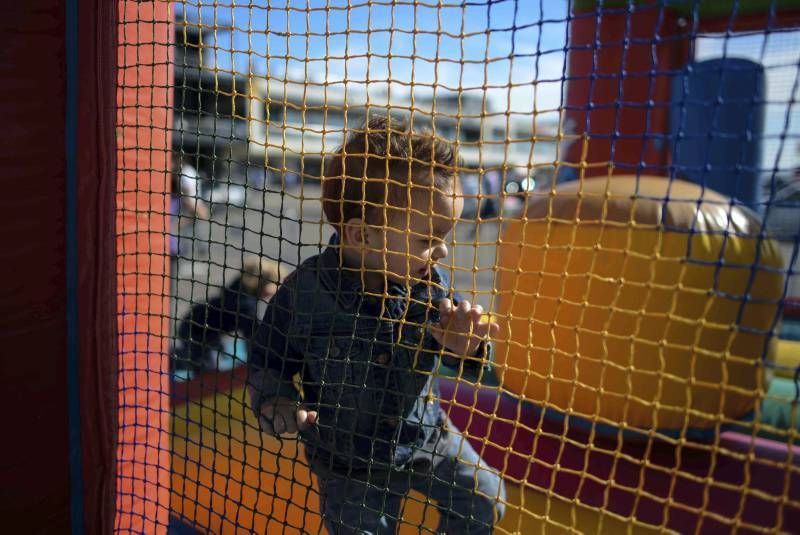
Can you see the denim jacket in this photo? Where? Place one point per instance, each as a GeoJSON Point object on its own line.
{"type": "Point", "coordinates": [371, 377]}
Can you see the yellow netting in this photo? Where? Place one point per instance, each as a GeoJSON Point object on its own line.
{"type": "Point", "coordinates": [621, 202]}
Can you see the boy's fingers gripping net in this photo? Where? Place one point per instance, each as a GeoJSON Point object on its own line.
{"type": "Point", "coordinates": [529, 265]}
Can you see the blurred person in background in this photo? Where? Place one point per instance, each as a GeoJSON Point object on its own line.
{"type": "Point", "coordinates": [186, 185]}
{"type": "Point", "coordinates": [234, 311]}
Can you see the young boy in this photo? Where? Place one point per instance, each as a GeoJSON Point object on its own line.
{"type": "Point", "coordinates": [364, 326]}
{"type": "Point", "coordinates": [234, 310]}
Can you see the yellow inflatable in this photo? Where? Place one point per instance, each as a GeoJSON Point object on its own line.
{"type": "Point", "coordinates": [637, 302]}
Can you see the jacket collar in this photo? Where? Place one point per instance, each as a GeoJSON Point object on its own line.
{"type": "Point", "coordinates": [343, 282]}
{"type": "Point", "coordinates": [346, 284]}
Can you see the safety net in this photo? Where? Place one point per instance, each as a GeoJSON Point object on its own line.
{"type": "Point", "coordinates": [451, 266]}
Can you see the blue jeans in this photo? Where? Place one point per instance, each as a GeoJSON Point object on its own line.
{"type": "Point", "coordinates": [469, 495]}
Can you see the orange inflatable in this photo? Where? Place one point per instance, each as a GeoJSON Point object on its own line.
{"type": "Point", "coordinates": [637, 302]}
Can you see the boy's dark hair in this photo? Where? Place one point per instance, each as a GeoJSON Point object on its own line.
{"type": "Point", "coordinates": [382, 164]}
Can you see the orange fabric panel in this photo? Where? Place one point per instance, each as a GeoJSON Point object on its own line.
{"type": "Point", "coordinates": [143, 118]}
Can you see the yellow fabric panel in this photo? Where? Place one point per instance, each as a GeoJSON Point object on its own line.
{"type": "Point", "coordinates": [230, 478]}
{"type": "Point", "coordinates": [787, 357]}
{"type": "Point", "coordinates": [635, 325]}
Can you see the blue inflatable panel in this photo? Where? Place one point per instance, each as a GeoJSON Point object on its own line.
{"type": "Point", "coordinates": [716, 123]}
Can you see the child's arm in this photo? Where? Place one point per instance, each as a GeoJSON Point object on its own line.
{"type": "Point", "coordinates": [272, 364]}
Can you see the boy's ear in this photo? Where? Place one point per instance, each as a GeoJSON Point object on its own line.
{"type": "Point", "coordinates": [353, 232]}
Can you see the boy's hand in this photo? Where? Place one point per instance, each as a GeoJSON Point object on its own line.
{"type": "Point", "coordinates": [460, 329]}
{"type": "Point", "coordinates": [287, 416]}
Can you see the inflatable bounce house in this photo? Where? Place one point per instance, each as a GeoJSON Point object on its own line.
{"type": "Point", "coordinates": [643, 275]}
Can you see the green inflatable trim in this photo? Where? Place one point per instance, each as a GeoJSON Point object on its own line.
{"type": "Point", "coordinates": [707, 10]}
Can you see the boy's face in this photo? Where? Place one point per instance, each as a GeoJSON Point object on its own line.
{"type": "Point", "coordinates": [413, 240]}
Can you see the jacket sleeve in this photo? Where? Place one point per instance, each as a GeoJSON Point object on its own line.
{"type": "Point", "coordinates": [273, 361]}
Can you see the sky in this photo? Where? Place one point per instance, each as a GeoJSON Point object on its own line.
{"type": "Point", "coordinates": [513, 48]}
